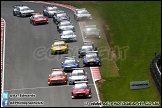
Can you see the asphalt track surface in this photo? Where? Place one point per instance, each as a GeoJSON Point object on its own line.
{"type": "Point", "coordinates": [28, 61]}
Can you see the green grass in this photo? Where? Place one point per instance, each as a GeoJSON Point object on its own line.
{"type": "Point", "coordinates": [136, 27]}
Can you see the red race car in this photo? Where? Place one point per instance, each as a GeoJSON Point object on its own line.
{"type": "Point", "coordinates": [81, 90]}
{"type": "Point", "coordinates": [38, 19]}
{"type": "Point", "coordinates": [57, 76]}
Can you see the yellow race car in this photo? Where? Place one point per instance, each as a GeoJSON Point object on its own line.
{"type": "Point", "coordinates": [59, 46]}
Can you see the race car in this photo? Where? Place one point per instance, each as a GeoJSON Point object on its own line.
{"type": "Point", "coordinates": [91, 59]}
{"type": "Point", "coordinates": [58, 17]}
{"type": "Point", "coordinates": [91, 30]}
{"type": "Point", "coordinates": [22, 11]}
{"type": "Point", "coordinates": [65, 25]}
{"type": "Point", "coordinates": [57, 76]}
{"type": "Point", "coordinates": [81, 90]}
{"type": "Point", "coordinates": [68, 35]}
{"type": "Point", "coordinates": [82, 14]}
{"type": "Point", "coordinates": [78, 75]}
{"type": "Point", "coordinates": [59, 46]}
{"type": "Point", "coordinates": [87, 46]}
{"type": "Point", "coordinates": [69, 63]}
{"type": "Point", "coordinates": [38, 19]}
{"type": "Point", "coordinates": [50, 10]}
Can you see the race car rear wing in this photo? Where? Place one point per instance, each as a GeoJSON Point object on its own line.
{"type": "Point", "coordinates": [78, 68]}
{"type": "Point", "coordinates": [80, 9]}
{"type": "Point", "coordinates": [36, 13]}
{"type": "Point", "coordinates": [88, 41]}
{"type": "Point", "coordinates": [15, 6]}
{"type": "Point", "coordinates": [59, 40]}
{"type": "Point", "coordinates": [81, 82]}
{"type": "Point", "coordinates": [70, 57]}
{"type": "Point", "coordinates": [91, 52]}
{"type": "Point", "coordinates": [49, 6]}
{"type": "Point", "coordinates": [90, 26]}
{"type": "Point", "coordinates": [56, 69]}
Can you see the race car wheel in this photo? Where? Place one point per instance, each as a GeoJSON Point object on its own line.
{"type": "Point", "coordinates": [48, 15]}
{"type": "Point", "coordinates": [44, 13]}
{"type": "Point", "coordinates": [21, 15]}
{"type": "Point", "coordinates": [34, 23]}
{"type": "Point", "coordinates": [66, 52]}
{"type": "Point", "coordinates": [14, 13]}
{"type": "Point", "coordinates": [70, 84]}
{"type": "Point", "coordinates": [65, 82]}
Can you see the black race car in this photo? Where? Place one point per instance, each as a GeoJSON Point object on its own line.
{"type": "Point", "coordinates": [91, 59]}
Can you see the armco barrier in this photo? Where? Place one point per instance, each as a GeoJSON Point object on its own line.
{"type": "Point", "coordinates": [155, 72]}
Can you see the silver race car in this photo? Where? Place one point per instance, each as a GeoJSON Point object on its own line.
{"type": "Point", "coordinates": [82, 14]}
{"type": "Point", "coordinates": [91, 30]}
{"type": "Point", "coordinates": [87, 46]}
{"type": "Point", "coordinates": [65, 25]}
{"type": "Point", "coordinates": [68, 35]}
{"type": "Point", "coordinates": [50, 10]}
{"type": "Point", "coordinates": [78, 75]}
{"type": "Point", "coordinates": [22, 11]}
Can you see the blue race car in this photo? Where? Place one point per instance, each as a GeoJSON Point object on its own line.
{"type": "Point", "coordinates": [60, 17]}
{"type": "Point", "coordinates": [91, 59]}
{"type": "Point", "coordinates": [69, 63]}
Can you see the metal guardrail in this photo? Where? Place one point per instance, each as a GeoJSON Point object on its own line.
{"type": "Point", "coordinates": [155, 72]}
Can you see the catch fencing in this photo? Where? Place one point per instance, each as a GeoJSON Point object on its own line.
{"type": "Point", "coordinates": [155, 70]}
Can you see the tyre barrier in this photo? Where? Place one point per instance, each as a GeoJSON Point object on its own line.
{"type": "Point", "coordinates": [155, 72]}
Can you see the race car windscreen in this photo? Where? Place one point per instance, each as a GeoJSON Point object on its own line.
{"type": "Point", "coordinates": [59, 44]}
{"type": "Point", "coordinates": [54, 74]}
{"type": "Point", "coordinates": [52, 9]}
{"type": "Point", "coordinates": [91, 29]}
{"type": "Point", "coordinates": [77, 73]}
{"type": "Point", "coordinates": [24, 9]}
{"type": "Point", "coordinates": [91, 55]}
{"type": "Point", "coordinates": [64, 24]}
{"type": "Point", "coordinates": [68, 33]}
{"type": "Point", "coordinates": [86, 48]}
{"type": "Point", "coordinates": [80, 86]}
{"type": "Point", "coordinates": [70, 62]}
{"type": "Point", "coordinates": [40, 16]}
{"type": "Point", "coordinates": [61, 15]}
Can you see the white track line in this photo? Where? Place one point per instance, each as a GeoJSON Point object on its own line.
{"type": "Point", "coordinates": [56, 86]}
{"type": "Point", "coordinates": [96, 87]}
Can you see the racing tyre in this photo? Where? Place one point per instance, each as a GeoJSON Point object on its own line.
{"type": "Point", "coordinates": [66, 52]}
{"type": "Point", "coordinates": [30, 22]}
{"type": "Point", "coordinates": [44, 13]}
{"type": "Point", "coordinates": [34, 23]}
{"type": "Point", "coordinates": [14, 13]}
{"type": "Point", "coordinates": [70, 84]}
{"type": "Point", "coordinates": [48, 15]}
{"type": "Point", "coordinates": [66, 83]}
{"type": "Point", "coordinates": [21, 15]}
